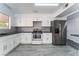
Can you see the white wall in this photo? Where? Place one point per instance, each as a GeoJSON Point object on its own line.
{"type": "Point", "coordinates": [73, 27]}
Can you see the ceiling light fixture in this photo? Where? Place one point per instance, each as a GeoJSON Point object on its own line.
{"type": "Point", "coordinates": [46, 4]}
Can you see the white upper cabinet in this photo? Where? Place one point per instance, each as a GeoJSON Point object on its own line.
{"type": "Point", "coordinates": [36, 18]}
{"type": "Point", "coordinates": [46, 22]}
{"type": "Point", "coordinates": [27, 20]}
{"type": "Point", "coordinates": [21, 20]}
{"type": "Point", "coordinates": [16, 21]}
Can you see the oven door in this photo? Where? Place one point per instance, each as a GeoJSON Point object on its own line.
{"type": "Point", "coordinates": [37, 38]}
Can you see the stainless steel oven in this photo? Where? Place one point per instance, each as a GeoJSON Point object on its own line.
{"type": "Point", "coordinates": [37, 35]}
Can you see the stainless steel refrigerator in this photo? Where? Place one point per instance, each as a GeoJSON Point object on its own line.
{"type": "Point", "coordinates": [59, 31]}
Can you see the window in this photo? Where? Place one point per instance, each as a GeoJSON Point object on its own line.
{"type": "Point", "coordinates": [4, 21]}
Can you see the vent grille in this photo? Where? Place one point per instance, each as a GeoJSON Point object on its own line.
{"type": "Point", "coordinates": [66, 4]}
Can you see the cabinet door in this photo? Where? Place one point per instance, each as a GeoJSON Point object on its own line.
{"type": "Point", "coordinates": [47, 38]}
{"type": "Point", "coordinates": [29, 38]}
{"type": "Point", "coordinates": [23, 38]}
{"type": "Point", "coordinates": [17, 21]}
{"type": "Point", "coordinates": [8, 43]}
{"type": "Point", "coordinates": [26, 38]}
{"type": "Point", "coordinates": [7, 46]}
{"type": "Point", "coordinates": [4, 48]}
{"type": "Point", "coordinates": [46, 22]}
{"type": "Point", "coordinates": [1, 48]}
{"type": "Point", "coordinates": [16, 39]}
{"type": "Point", "coordinates": [27, 21]}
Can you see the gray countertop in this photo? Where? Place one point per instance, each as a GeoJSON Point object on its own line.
{"type": "Point", "coordinates": [6, 34]}
{"type": "Point", "coordinates": [76, 35]}
{"type": "Point", "coordinates": [23, 30]}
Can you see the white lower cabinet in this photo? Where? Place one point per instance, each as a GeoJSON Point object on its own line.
{"type": "Point", "coordinates": [47, 38]}
{"type": "Point", "coordinates": [1, 48]}
{"type": "Point", "coordinates": [26, 38]}
{"type": "Point", "coordinates": [7, 43]}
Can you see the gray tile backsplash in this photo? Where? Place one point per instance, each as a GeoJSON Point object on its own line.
{"type": "Point", "coordinates": [12, 30]}
{"type": "Point", "coordinates": [30, 29]}
{"type": "Point", "coordinates": [23, 30]}
{"type": "Point", "coordinates": [46, 29]}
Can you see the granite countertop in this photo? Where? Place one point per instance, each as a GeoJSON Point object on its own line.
{"type": "Point", "coordinates": [76, 35]}
{"type": "Point", "coordinates": [6, 34]}
{"type": "Point", "coordinates": [46, 32]}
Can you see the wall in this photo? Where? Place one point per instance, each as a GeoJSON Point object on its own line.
{"type": "Point", "coordinates": [73, 30]}
{"type": "Point", "coordinates": [73, 26]}
{"type": "Point", "coordinates": [6, 10]}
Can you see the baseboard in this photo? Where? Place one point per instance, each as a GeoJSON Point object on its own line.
{"type": "Point", "coordinates": [73, 44]}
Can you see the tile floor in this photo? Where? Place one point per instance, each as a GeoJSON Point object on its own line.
{"type": "Point", "coordinates": [43, 50]}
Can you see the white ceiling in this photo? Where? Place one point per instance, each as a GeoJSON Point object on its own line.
{"type": "Point", "coordinates": [69, 11]}
{"type": "Point", "coordinates": [22, 8]}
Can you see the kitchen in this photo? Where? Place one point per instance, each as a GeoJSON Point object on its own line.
{"type": "Point", "coordinates": [33, 25]}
